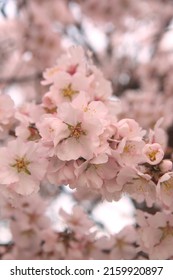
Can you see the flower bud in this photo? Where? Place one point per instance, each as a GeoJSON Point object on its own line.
{"type": "Point", "coordinates": [165, 165]}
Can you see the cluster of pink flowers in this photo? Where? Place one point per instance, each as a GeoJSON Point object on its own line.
{"type": "Point", "coordinates": [84, 142]}
{"type": "Point", "coordinates": [78, 238]}
{"type": "Point", "coordinates": [75, 137]}
{"type": "Point", "coordinates": [147, 107]}
{"type": "Point", "coordinates": [155, 234]}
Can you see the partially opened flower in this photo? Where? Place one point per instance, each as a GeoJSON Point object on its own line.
{"type": "Point", "coordinates": [130, 129]}
{"type": "Point", "coordinates": [153, 153]}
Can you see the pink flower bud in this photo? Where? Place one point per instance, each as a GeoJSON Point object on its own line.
{"type": "Point", "coordinates": [124, 130]}
{"type": "Point", "coordinates": [165, 165]}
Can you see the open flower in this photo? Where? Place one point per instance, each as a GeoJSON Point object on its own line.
{"type": "Point", "coordinates": [22, 166]}
{"type": "Point", "coordinates": [122, 244]}
{"type": "Point", "coordinates": [67, 87]}
{"type": "Point", "coordinates": [155, 234]}
{"type": "Point", "coordinates": [72, 62]}
{"type": "Point", "coordinates": [78, 221]}
{"type": "Point", "coordinates": [137, 184]}
{"type": "Point", "coordinates": [82, 135]}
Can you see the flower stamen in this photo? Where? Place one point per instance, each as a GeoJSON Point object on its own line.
{"type": "Point", "coordinates": [76, 131]}
{"type": "Point", "coordinates": [21, 164]}
{"type": "Point", "coordinates": [69, 91]}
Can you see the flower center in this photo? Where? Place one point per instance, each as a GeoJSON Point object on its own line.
{"type": "Point", "coordinates": [76, 131]}
{"type": "Point", "coordinates": [69, 91]}
{"type": "Point", "coordinates": [50, 110]}
{"type": "Point", "coordinates": [21, 164]}
{"type": "Point", "coordinates": [129, 148]}
{"type": "Point", "coordinates": [152, 155]}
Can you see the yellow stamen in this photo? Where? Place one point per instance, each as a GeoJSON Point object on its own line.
{"type": "Point", "coordinates": [129, 148]}
{"type": "Point", "coordinates": [76, 131]}
{"type": "Point", "coordinates": [152, 155]}
{"type": "Point", "coordinates": [21, 165]}
{"type": "Point", "coordinates": [50, 110]}
{"type": "Point", "coordinates": [69, 91]}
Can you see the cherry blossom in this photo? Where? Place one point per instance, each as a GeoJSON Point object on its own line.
{"type": "Point", "coordinates": [155, 234]}
{"type": "Point", "coordinates": [22, 166]}
{"type": "Point", "coordinates": [153, 153]}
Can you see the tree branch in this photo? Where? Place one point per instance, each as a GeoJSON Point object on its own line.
{"type": "Point", "coordinates": [24, 79]}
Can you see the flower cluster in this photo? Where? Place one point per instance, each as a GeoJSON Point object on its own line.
{"type": "Point", "coordinates": [78, 238]}
{"type": "Point", "coordinates": [155, 234]}
{"type": "Point", "coordinates": [75, 137]}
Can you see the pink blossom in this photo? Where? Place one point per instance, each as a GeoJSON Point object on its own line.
{"type": "Point", "coordinates": [128, 152]}
{"type": "Point", "coordinates": [137, 184]}
{"type": "Point", "coordinates": [122, 244]}
{"type": "Point", "coordinates": [156, 234]}
{"type": "Point", "coordinates": [72, 62]}
{"type": "Point", "coordinates": [22, 166]}
{"type": "Point", "coordinates": [66, 87]}
{"type": "Point", "coordinates": [130, 129]}
{"type": "Point", "coordinates": [165, 189]}
{"type": "Point", "coordinates": [82, 135]}
{"type": "Point", "coordinates": [28, 115]}
{"type": "Point", "coordinates": [92, 109]}
{"type": "Point", "coordinates": [100, 88]}
{"type": "Point", "coordinates": [111, 191]}
{"type": "Point", "coordinates": [158, 135]}
{"type": "Point", "coordinates": [91, 174]}
{"type": "Point", "coordinates": [153, 153]}
{"type": "Point", "coordinates": [78, 221]}
{"type": "Point", "coordinates": [61, 172]}
{"type": "Point", "coordinates": [165, 166]}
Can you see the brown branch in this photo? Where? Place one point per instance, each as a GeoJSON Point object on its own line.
{"type": "Point", "coordinates": [160, 35]}
{"type": "Point", "coordinates": [23, 79]}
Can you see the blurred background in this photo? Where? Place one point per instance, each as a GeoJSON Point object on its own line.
{"type": "Point", "coordinates": [131, 41]}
